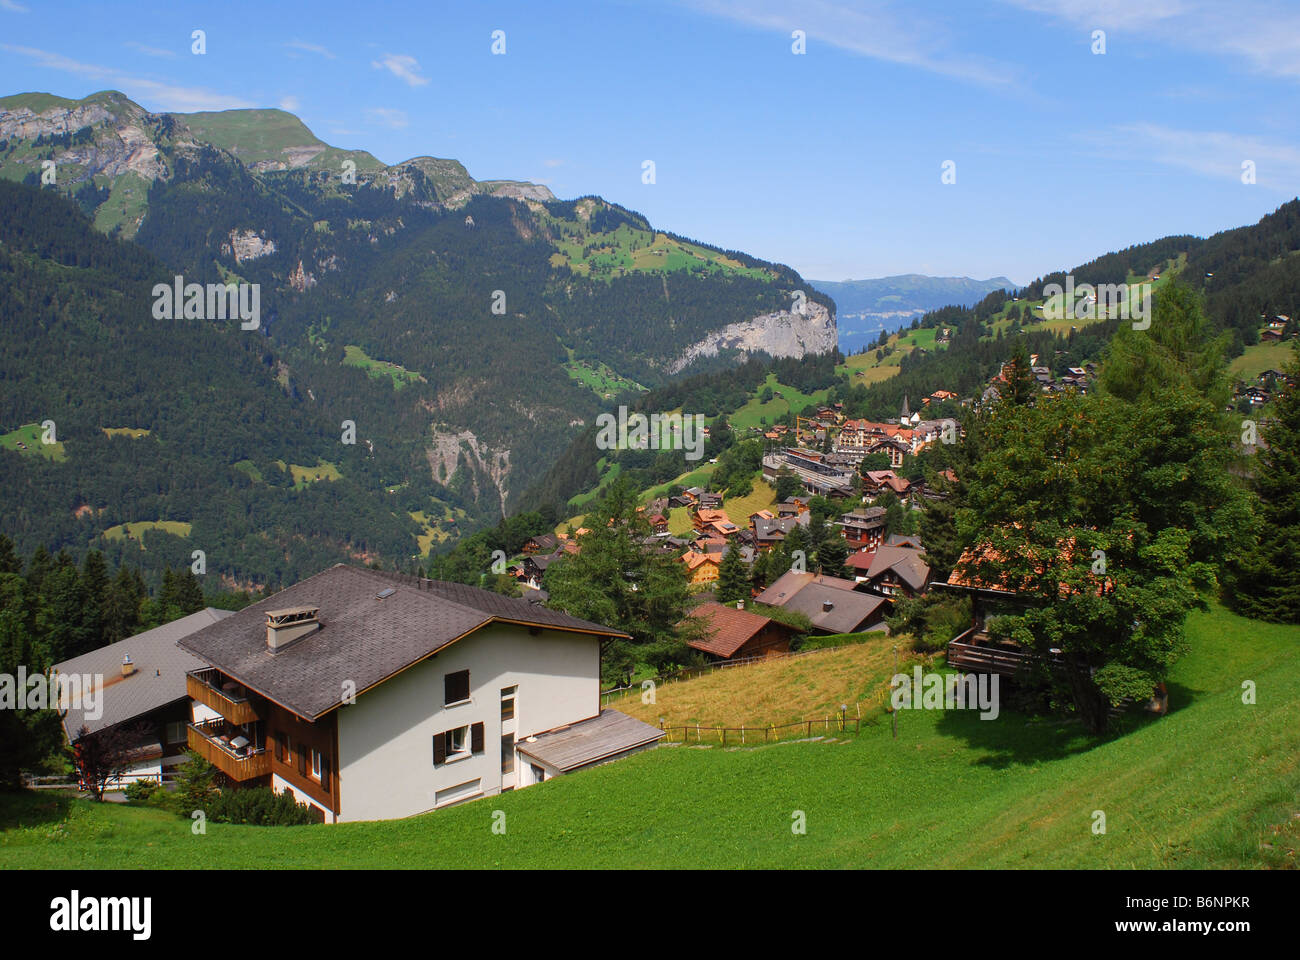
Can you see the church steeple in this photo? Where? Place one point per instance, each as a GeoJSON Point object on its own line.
{"type": "Point", "coordinates": [906, 412]}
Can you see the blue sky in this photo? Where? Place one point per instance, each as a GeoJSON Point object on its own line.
{"type": "Point", "coordinates": [829, 161]}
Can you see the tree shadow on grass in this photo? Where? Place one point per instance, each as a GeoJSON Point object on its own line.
{"type": "Point", "coordinates": [1013, 738]}
{"type": "Point", "coordinates": [33, 808]}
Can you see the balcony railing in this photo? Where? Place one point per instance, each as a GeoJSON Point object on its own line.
{"type": "Point", "coordinates": [205, 739]}
{"type": "Point", "coordinates": [214, 689]}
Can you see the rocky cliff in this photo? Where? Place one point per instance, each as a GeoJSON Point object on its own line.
{"type": "Point", "coordinates": [783, 334]}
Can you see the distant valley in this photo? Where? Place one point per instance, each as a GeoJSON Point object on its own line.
{"type": "Point", "coordinates": [868, 307]}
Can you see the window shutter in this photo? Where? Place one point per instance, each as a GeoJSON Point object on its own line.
{"type": "Point", "coordinates": [325, 771]}
{"type": "Point", "coordinates": [476, 738]}
{"type": "Point", "coordinates": [439, 748]}
{"type": "Point", "coordinates": [279, 747]}
{"type": "Point", "coordinates": [302, 759]}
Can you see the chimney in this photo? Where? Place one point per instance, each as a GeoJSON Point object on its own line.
{"type": "Point", "coordinates": [740, 604]}
{"type": "Point", "coordinates": [283, 627]}
{"type": "Point", "coordinates": [128, 667]}
{"type": "Point", "coordinates": [827, 606]}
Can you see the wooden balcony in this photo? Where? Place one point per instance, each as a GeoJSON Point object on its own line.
{"type": "Point", "coordinates": [204, 740]}
{"type": "Point", "coordinates": [214, 689]}
{"type": "Point", "coordinates": [974, 652]}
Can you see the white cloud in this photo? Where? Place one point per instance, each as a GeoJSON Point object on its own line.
{"type": "Point", "coordinates": [151, 51]}
{"type": "Point", "coordinates": [1263, 33]}
{"type": "Point", "coordinates": [389, 116]}
{"type": "Point", "coordinates": [13, 7]}
{"type": "Point", "coordinates": [290, 103]}
{"type": "Point", "coordinates": [872, 28]}
{"type": "Point", "coordinates": [311, 48]}
{"type": "Point", "coordinates": [151, 93]}
{"type": "Point", "coordinates": [1211, 153]}
{"type": "Point", "coordinates": [401, 65]}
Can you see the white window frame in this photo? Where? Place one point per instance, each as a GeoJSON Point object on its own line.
{"type": "Point", "coordinates": [464, 750]}
{"type": "Point", "coordinates": [315, 763]}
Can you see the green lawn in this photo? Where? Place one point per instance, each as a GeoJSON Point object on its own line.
{"type": "Point", "coordinates": [305, 475]}
{"type": "Point", "coordinates": [29, 435]}
{"type": "Point", "coordinates": [176, 528]}
{"type": "Point", "coordinates": [599, 378]}
{"type": "Point", "coordinates": [1213, 784]}
{"type": "Point", "coordinates": [1259, 357]}
{"type": "Point", "coordinates": [354, 356]}
{"type": "Point", "coordinates": [784, 399]}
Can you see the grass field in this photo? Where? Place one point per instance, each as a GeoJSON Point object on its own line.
{"type": "Point", "coordinates": [600, 379]}
{"type": "Point", "coordinates": [29, 435]}
{"type": "Point", "coordinates": [354, 356]}
{"type": "Point", "coordinates": [784, 399]}
{"type": "Point", "coordinates": [781, 691]}
{"type": "Point", "coordinates": [1259, 357]}
{"type": "Point", "coordinates": [305, 475]}
{"type": "Point", "coordinates": [135, 433]}
{"type": "Point", "coordinates": [176, 528]}
{"type": "Point", "coordinates": [1212, 785]}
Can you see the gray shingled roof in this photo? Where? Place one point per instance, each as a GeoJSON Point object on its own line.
{"type": "Point", "coordinates": [908, 564]}
{"type": "Point", "coordinates": [362, 639]}
{"type": "Point", "coordinates": [807, 592]}
{"type": "Point", "coordinates": [586, 742]}
{"type": "Point", "coordinates": [159, 678]}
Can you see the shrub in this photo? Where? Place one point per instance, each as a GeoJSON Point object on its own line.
{"type": "Point", "coordinates": [258, 806]}
{"type": "Point", "coordinates": [139, 791]}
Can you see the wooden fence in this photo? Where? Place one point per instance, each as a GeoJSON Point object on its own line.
{"type": "Point", "coordinates": [739, 736]}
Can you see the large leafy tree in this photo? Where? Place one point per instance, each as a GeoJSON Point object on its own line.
{"type": "Point", "coordinates": [1105, 517]}
{"type": "Point", "coordinates": [618, 581]}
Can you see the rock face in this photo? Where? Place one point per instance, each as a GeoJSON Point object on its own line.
{"type": "Point", "coordinates": [783, 334]}
{"type": "Point", "coordinates": [248, 246]}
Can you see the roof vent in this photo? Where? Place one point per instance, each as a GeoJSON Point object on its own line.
{"type": "Point", "coordinates": [386, 592]}
{"type": "Point", "coordinates": [283, 627]}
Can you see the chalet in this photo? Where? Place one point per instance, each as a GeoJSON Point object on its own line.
{"type": "Point", "coordinates": [658, 524]}
{"type": "Point", "coordinates": [702, 566]}
{"type": "Point", "coordinates": [709, 501]}
{"type": "Point", "coordinates": [542, 543]}
{"type": "Point", "coordinates": [863, 528]}
{"type": "Point", "coordinates": [140, 688]}
{"type": "Point", "coordinates": [792, 507]}
{"type": "Point", "coordinates": [372, 695]}
{"type": "Point", "coordinates": [1270, 336]}
{"type": "Point", "coordinates": [831, 603]}
{"type": "Point", "coordinates": [733, 633]}
{"type": "Point", "coordinates": [714, 523]}
{"type": "Point", "coordinates": [876, 482]}
{"type": "Point", "coordinates": [897, 572]}
{"type": "Point", "coordinates": [895, 449]}
{"type": "Point", "coordinates": [768, 533]}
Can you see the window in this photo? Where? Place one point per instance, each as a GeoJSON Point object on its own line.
{"type": "Point", "coordinates": [315, 764]}
{"type": "Point", "coordinates": [508, 703]}
{"type": "Point", "coordinates": [455, 687]}
{"type": "Point", "coordinates": [286, 748]}
{"type": "Point", "coordinates": [508, 753]}
{"type": "Point", "coordinates": [176, 732]}
{"type": "Point", "coordinates": [457, 743]}
{"type": "Point", "coordinates": [538, 773]}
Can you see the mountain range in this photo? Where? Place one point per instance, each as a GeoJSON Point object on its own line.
{"type": "Point", "coordinates": [461, 332]}
{"type": "Point", "coordinates": [868, 307]}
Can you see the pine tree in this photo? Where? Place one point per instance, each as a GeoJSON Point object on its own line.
{"type": "Point", "coordinates": [1263, 581]}
{"type": "Point", "coordinates": [733, 583]}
